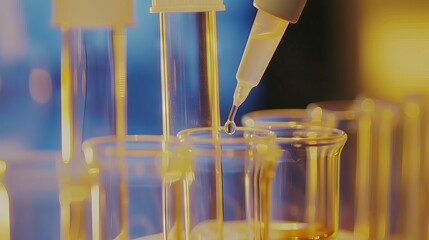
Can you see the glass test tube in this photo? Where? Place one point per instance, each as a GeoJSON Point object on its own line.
{"type": "Point", "coordinates": [87, 110]}
{"type": "Point", "coordinates": [189, 79]}
{"type": "Point", "coordinates": [189, 70]}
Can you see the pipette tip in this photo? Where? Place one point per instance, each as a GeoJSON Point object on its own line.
{"type": "Point", "coordinates": [230, 125]}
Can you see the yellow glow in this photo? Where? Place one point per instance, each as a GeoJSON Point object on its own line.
{"type": "Point", "coordinates": [40, 84]}
{"type": "Point", "coordinates": [95, 203]}
{"type": "Point", "coordinates": [412, 110]}
{"type": "Point", "coordinates": [312, 186]}
{"type": "Point", "coordinates": [367, 105]}
{"type": "Point", "coordinates": [66, 101]}
{"type": "Point", "coordinates": [120, 72]}
{"type": "Point", "coordinates": [12, 32]}
{"type": "Point", "coordinates": [4, 214]}
{"type": "Point", "coordinates": [249, 122]}
{"type": "Point", "coordinates": [394, 50]}
{"type": "Point", "coordinates": [93, 171]}
{"type": "Point", "coordinates": [316, 114]}
{"type": "Point", "coordinates": [89, 155]}
{"type": "Point", "coordinates": [2, 168]}
{"type": "Point", "coordinates": [261, 148]}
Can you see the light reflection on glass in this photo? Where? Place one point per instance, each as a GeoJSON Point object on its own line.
{"type": "Point", "coordinates": [40, 84]}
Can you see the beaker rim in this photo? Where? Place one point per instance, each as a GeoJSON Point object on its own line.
{"type": "Point", "coordinates": [274, 118]}
{"type": "Point", "coordinates": [205, 135]}
{"type": "Point", "coordinates": [309, 135]}
{"type": "Point", "coordinates": [112, 138]}
{"type": "Point", "coordinates": [145, 144]}
{"type": "Point", "coordinates": [341, 109]}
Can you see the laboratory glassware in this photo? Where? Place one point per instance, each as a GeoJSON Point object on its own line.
{"type": "Point", "coordinates": [370, 160]}
{"type": "Point", "coordinates": [304, 199]}
{"type": "Point", "coordinates": [74, 16]}
{"type": "Point", "coordinates": [189, 63]}
{"type": "Point", "coordinates": [274, 118]}
{"type": "Point", "coordinates": [412, 220]}
{"type": "Point", "coordinates": [34, 203]}
{"type": "Point", "coordinates": [248, 160]}
{"type": "Point", "coordinates": [153, 172]}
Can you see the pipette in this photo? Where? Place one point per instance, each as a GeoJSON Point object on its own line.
{"type": "Point", "coordinates": [270, 23]}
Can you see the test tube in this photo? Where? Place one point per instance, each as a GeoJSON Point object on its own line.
{"type": "Point", "coordinates": [189, 74]}
{"type": "Point", "coordinates": [79, 16]}
{"type": "Point", "coordinates": [189, 70]}
{"type": "Point", "coordinates": [74, 16]}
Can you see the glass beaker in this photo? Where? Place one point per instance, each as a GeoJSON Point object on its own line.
{"type": "Point", "coordinates": [246, 160]}
{"type": "Point", "coordinates": [368, 167]}
{"type": "Point", "coordinates": [303, 170]}
{"type": "Point", "coordinates": [34, 205]}
{"type": "Point", "coordinates": [343, 115]}
{"type": "Point", "coordinates": [138, 186]}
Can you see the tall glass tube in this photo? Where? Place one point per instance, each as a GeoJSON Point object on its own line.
{"type": "Point", "coordinates": [189, 70]}
{"type": "Point", "coordinates": [87, 98]}
{"type": "Point", "coordinates": [189, 81]}
{"type": "Point", "coordinates": [86, 111]}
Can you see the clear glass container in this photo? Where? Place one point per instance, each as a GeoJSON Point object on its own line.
{"type": "Point", "coordinates": [138, 186]}
{"type": "Point", "coordinates": [34, 203]}
{"type": "Point", "coordinates": [369, 200]}
{"type": "Point", "coordinates": [307, 175]}
{"type": "Point", "coordinates": [246, 161]}
{"type": "Point", "coordinates": [189, 71]}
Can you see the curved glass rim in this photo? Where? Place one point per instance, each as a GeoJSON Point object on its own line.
{"type": "Point", "coordinates": [342, 109]}
{"type": "Point", "coordinates": [260, 118]}
{"type": "Point", "coordinates": [252, 133]}
{"type": "Point", "coordinates": [335, 135]}
{"type": "Point", "coordinates": [92, 144]}
{"type": "Point", "coordinates": [128, 138]}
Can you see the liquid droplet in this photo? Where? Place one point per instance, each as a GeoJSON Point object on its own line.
{"type": "Point", "coordinates": [230, 127]}
{"type": "Point", "coordinates": [230, 124]}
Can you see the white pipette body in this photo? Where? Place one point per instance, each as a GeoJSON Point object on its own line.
{"type": "Point", "coordinates": [270, 23]}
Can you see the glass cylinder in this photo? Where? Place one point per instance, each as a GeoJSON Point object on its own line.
{"type": "Point", "coordinates": [137, 186]}
{"type": "Point", "coordinates": [87, 89]}
{"type": "Point", "coordinates": [189, 70]}
{"type": "Point", "coordinates": [247, 159]}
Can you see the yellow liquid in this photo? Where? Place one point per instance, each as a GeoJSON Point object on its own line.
{"type": "Point", "coordinates": [241, 230]}
{"type": "Point", "coordinates": [296, 230]}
